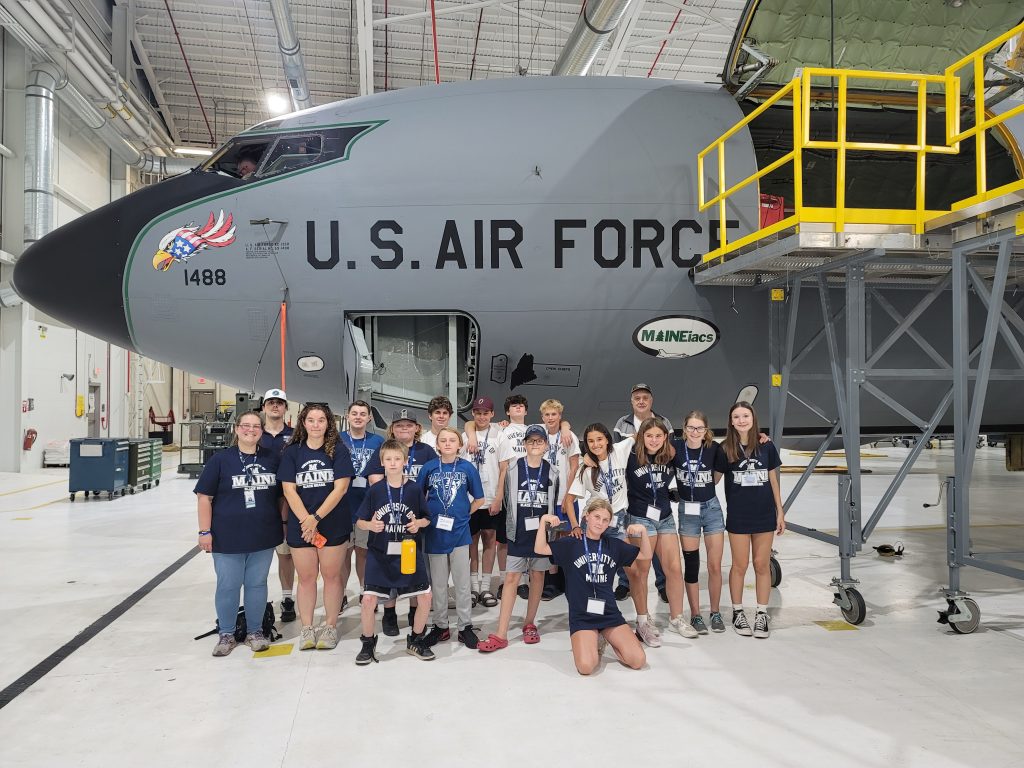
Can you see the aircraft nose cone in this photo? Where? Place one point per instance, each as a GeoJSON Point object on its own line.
{"type": "Point", "coordinates": [76, 273]}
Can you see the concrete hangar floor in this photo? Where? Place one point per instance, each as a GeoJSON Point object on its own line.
{"type": "Point", "coordinates": [900, 690]}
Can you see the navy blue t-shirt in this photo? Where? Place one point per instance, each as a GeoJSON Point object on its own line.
{"type": "Point", "coordinates": [751, 507]}
{"type": "Point", "coordinates": [278, 442]}
{"type": "Point", "coordinates": [589, 570]}
{"type": "Point", "coordinates": [448, 488]}
{"type": "Point", "coordinates": [639, 481]}
{"type": "Point", "coordinates": [695, 470]}
{"type": "Point", "coordinates": [362, 450]}
{"type": "Point", "coordinates": [314, 473]}
{"type": "Point", "coordinates": [225, 477]}
{"type": "Point", "coordinates": [405, 504]}
{"type": "Point", "coordinates": [419, 454]}
{"type": "Point", "coordinates": [531, 502]}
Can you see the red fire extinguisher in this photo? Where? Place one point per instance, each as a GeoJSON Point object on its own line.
{"type": "Point", "coordinates": [30, 439]}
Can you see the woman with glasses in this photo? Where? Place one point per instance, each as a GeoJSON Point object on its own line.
{"type": "Point", "coordinates": [697, 458]}
{"type": "Point", "coordinates": [240, 524]}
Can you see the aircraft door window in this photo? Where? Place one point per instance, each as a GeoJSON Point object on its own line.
{"type": "Point", "coordinates": [292, 152]}
{"type": "Point", "coordinates": [412, 356]}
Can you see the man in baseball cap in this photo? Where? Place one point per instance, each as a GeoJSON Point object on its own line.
{"type": "Point", "coordinates": [483, 404]}
{"type": "Point", "coordinates": [275, 437]}
{"type": "Point", "coordinates": [404, 414]}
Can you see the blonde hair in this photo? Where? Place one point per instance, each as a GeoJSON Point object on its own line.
{"type": "Point", "coordinates": [549, 405]}
{"type": "Point", "coordinates": [453, 431]}
{"type": "Point", "coordinates": [393, 445]}
{"type": "Point", "coordinates": [709, 436]}
{"type": "Point", "coordinates": [596, 504]}
{"type": "Point", "coordinates": [390, 434]}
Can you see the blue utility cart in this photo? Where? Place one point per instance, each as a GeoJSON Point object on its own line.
{"type": "Point", "coordinates": [99, 464]}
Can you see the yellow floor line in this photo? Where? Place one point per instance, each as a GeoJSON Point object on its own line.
{"type": "Point", "coordinates": [34, 487]}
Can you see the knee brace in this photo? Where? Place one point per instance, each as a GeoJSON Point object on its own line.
{"type": "Point", "coordinates": [691, 565]}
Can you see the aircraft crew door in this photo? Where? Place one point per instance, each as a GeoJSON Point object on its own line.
{"type": "Point", "coordinates": [358, 365]}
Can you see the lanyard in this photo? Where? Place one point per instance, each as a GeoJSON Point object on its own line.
{"type": "Point", "coordinates": [412, 460]}
{"type": "Point", "coordinates": [247, 468]}
{"type": "Point", "coordinates": [450, 477]}
{"type": "Point", "coordinates": [650, 478]}
{"type": "Point", "coordinates": [391, 502]}
{"type": "Point", "coordinates": [532, 491]}
{"type": "Point", "coordinates": [359, 453]}
{"type": "Point", "coordinates": [753, 454]}
{"type": "Point", "coordinates": [481, 450]}
{"type": "Point", "coordinates": [553, 449]}
{"type": "Point", "coordinates": [691, 474]}
{"type": "Point", "coordinates": [607, 479]}
{"type": "Point", "coordinates": [593, 567]}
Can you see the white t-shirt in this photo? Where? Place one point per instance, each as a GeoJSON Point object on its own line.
{"type": "Point", "coordinates": [429, 438]}
{"type": "Point", "coordinates": [558, 456]}
{"type": "Point", "coordinates": [613, 468]}
{"type": "Point", "coordinates": [511, 447]}
{"type": "Point", "coordinates": [486, 458]}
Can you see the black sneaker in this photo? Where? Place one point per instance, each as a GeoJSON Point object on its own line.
{"type": "Point", "coordinates": [415, 646]}
{"type": "Point", "coordinates": [468, 637]}
{"type": "Point", "coordinates": [436, 635]}
{"type": "Point", "coordinates": [550, 593]}
{"type": "Point", "coordinates": [761, 624]}
{"type": "Point", "coordinates": [621, 592]}
{"type": "Point", "coordinates": [663, 595]}
{"type": "Point", "coordinates": [739, 623]}
{"type": "Point", "coordinates": [390, 622]}
{"type": "Point", "coordinates": [523, 591]}
{"type": "Point", "coordinates": [287, 609]}
{"type": "Point", "coordinates": [367, 655]}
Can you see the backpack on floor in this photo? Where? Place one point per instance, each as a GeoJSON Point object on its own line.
{"type": "Point", "coordinates": [269, 630]}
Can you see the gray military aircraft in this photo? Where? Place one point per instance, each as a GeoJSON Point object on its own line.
{"type": "Point", "coordinates": [533, 235]}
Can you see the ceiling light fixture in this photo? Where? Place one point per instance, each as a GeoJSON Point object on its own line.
{"type": "Point", "coordinates": [954, 3]}
{"type": "Point", "coordinates": [194, 151]}
{"type": "Point", "coordinates": [277, 104]}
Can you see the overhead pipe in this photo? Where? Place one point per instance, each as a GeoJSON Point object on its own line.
{"type": "Point", "coordinates": [594, 27]}
{"type": "Point", "coordinates": [291, 55]}
{"type": "Point", "coordinates": [40, 136]}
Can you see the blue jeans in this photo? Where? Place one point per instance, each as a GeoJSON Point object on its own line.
{"type": "Point", "coordinates": [248, 570]}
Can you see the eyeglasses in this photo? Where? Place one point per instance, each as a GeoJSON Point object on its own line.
{"type": "Point", "coordinates": [697, 430]}
{"type": "Point", "coordinates": [250, 427]}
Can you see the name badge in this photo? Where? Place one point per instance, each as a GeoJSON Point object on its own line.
{"type": "Point", "coordinates": [749, 478]}
{"type": "Point", "coordinates": [250, 498]}
{"type": "Point", "coordinates": [394, 547]}
{"type": "Point", "coordinates": [445, 522]}
{"type": "Point", "coordinates": [691, 508]}
{"type": "Point", "coordinates": [532, 523]}
{"type": "Point", "coordinates": [653, 513]}
{"type": "Point", "coordinates": [358, 482]}
{"type": "Point", "coordinates": [595, 606]}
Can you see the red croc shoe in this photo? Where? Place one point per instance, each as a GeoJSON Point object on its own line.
{"type": "Point", "coordinates": [530, 634]}
{"type": "Point", "coordinates": [491, 644]}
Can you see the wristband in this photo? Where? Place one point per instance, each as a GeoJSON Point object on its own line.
{"type": "Point", "coordinates": [577, 528]}
{"type": "Point", "coordinates": [204, 533]}
{"type": "Point", "coordinates": [317, 517]}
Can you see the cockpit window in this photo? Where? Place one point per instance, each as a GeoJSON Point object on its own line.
{"type": "Point", "coordinates": [264, 156]}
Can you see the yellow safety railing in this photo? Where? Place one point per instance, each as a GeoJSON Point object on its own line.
{"type": "Point", "coordinates": [976, 66]}
{"type": "Point", "coordinates": [798, 92]}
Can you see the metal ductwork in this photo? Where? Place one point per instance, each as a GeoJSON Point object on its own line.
{"type": "Point", "coordinates": [40, 136]}
{"type": "Point", "coordinates": [291, 55]}
{"type": "Point", "coordinates": [593, 28]}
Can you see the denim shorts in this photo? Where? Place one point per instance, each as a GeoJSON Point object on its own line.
{"type": "Point", "coordinates": [711, 520]}
{"type": "Point", "coordinates": [654, 527]}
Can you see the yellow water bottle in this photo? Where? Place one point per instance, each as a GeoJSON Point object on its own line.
{"type": "Point", "coordinates": [408, 556]}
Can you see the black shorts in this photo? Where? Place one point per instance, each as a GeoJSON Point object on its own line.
{"type": "Point", "coordinates": [483, 520]}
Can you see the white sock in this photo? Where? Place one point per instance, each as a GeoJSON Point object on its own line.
{"type": "Point", "coordinates": [476, 582]}
{"type": "Point", "coordinates": [762, 608]}
{"type": "Point", "coordinates": [286, 594]}
{"type": "Point", "coordinates": [736, 607]}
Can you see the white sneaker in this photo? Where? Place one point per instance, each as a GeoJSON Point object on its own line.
{"type": "Point", "coordinates": [682, 626]}
{"type": "Point", "coordinates": [307, 639]}
{"type": "Point", "coordinates": [648, 632]}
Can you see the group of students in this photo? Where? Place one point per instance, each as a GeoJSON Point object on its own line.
{"type": "Point", "coordinates": [417, 505]}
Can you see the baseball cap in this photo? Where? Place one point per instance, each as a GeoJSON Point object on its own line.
{"type": "Point", "coordinates": [275, 394]}
{"type": "Point", "coordinates": [535, 430]}
{"type": "Point", "coordinates": [483, 404]}
{"type": "Point", "coordinates": [404, 414]}
{"type": "Point", "coordinates": [638, 387]}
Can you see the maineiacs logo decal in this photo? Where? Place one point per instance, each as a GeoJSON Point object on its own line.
{"type": "Point", "coordinates": [674, 337]}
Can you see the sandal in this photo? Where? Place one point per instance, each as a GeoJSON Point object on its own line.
{"type": "Point", "coordinates": [474, 597]}
{"type": "Point", "coordinates": [530, 634]}
{"type": "Point", "coordinates": [491, 644]}
{"type": "Point", "coordinates": [488, 599]}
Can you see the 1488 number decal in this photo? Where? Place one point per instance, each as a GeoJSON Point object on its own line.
{"type": "Point", "coordinates": [205, 277]}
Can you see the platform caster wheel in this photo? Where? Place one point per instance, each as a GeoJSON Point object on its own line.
{"type": "Point", "coordinates": [776, 572]}
{"type": "Point", "coordinates": [966, 627]}
{"type": "Point", "coordinates": [131, 491]}
{"type": "Point", "coordinates": [857, 611]}
{"type": "Point", "coordinates": [72, 497]}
